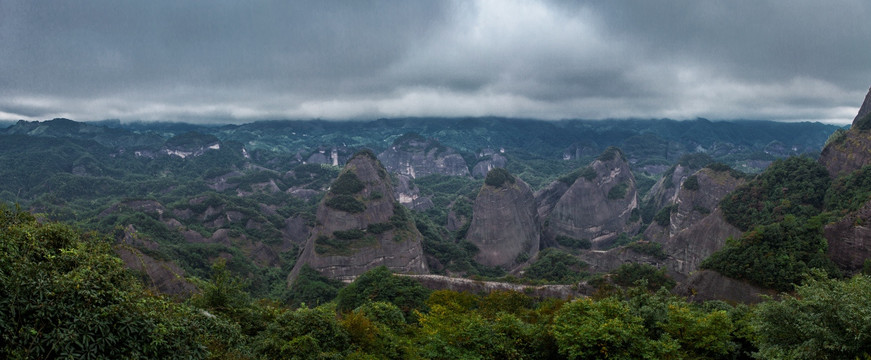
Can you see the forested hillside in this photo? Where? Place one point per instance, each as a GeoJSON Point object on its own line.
{"type": "Point", "coordinates": [251, 234]}
{"type": "Point", "coordinates": [65, 294]}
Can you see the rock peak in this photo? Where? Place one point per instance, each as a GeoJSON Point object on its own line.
{"type": "Point", "coordinates": [865, 109]}
{"type": "Point", "coordinates": [360, 226]}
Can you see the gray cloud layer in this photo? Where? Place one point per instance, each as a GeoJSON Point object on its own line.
{"type": "Point", "coordinates": [242, 61]}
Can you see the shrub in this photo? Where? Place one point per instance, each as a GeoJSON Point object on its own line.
{"type": "Point", "coordinates": [347, 184]}
{"type": "Point", "coordinates": [557, 266]}
{"type": "Point", "coordinates": [610, 153]}
{"type": "Point", "coordinates": [663, 217]}
{"type": "Point", "coordinates": [630, 274]}
{"type": "Point", "coordinates": [352, 234]}
{"type": "Point", "coordinates": [346, 203]}
{"type": "Point", "coordinates": [379, 228]}
{"type": "Point", "coordinates": [619, 191]}
{"type": "Point", "coordinates": [573, 243]}
{"type": "Point", "coordinates": [586, 172]}
{"type": "Point", "coordinates": [691, 183]}
{"type": "Point", "coordinates": [498, 177]}
{"type": "Point", "coordinates": [650, 248]}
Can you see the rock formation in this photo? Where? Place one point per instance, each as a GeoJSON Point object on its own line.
{"type": "Point", "coordinates": [504, 221]}
{"type": "Point", "coordinates": [687, 249]}
{"type": "Point", "coordinates": [360, 226]}
{"type": "Point", "coordinates": [849, 151]}
{"type": "Point", "coordinates": [850, 237]}
{"type": "Point", "coordinates": [696, 197]}
{"type": "Point", "coordinates": [665, 191]}
{"type": "Point", "coordinates": [488, 159]}
{"type": "Point", "coordinates": [409, 196]}
{"type": "Point", "coordinates": [695, 228]}
{"type": "Point", "coordinates": [599, 205]}
{"type": "Point", "coordinates": [850, 240]}
{"type": "Point", "coordinates": [414, 156]}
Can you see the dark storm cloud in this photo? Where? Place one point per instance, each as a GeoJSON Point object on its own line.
{"type": "Point", "coordinates": [242, 61]}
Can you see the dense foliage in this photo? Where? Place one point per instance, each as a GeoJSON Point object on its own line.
{"type": "Point", "coordinates": [555, 265]}
{"type": "Point", "coordinates": [631, 274]}
{"type": "Point", "coordinates": [618, 192]}
{"type": "Point", "coordinates": [776, 255]}
{"type": "Point", "coordinates": [691, 183]}
{"type": "Point", "coordinates": [498, 177]}
{"type": "Point", "coordinates": [824, 319]}
{"type": "Point", "coordinates": [794, 186]}
{"type": "Point", "coordinates": [347, 184]}
{"type": "Point", "coordinates": [63, 290]}
{"type": "Point", "coordinates": [64, 294]}
{"type": "Point", "coordinates": [849, 192]}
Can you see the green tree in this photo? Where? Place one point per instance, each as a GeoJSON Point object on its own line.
{"type": "Point", "coordinates": [65, 294]}
{"type": "Point", "coordinates": [304, 333]}
{"type": "Point", "coordinates": [824, 319]}
{"type": "Point", "coordinates": [605, 329]}
{"type": "Point", "coordinates": [312, 288]}
{"type": "Point", "coordinates": [379, 284]}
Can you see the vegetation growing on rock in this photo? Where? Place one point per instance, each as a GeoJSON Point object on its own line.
{"type": "Point", "coordinates": [499, 177]}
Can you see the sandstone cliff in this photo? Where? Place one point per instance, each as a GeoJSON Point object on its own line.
{"type": "Point", "coordinates": [415, 156]}
{"type": "Point", "coordinates": [693, 227]}
{"type": "Point", "coordinates": [409, 196]}
{"type": "Point", "coordinates": [850, 240]}
{"type": "Point", "coordinates": [665, 191]}
{"type": "Point", "coordinates": [488, 159]}
{"type": "Point", "coordinates": [696, 197]}
{"type": "Point", "coordinates": [599, 205]}
{"type": "Point", "coordinates": [849, 151]}
{"type": "Point", "coordinates": [687, 249]}
{"type": "Point", "coordinates": [504, 222]}
{"type": "Point", "coordinates": [360, 226]}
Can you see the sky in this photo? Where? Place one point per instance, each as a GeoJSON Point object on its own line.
{"type": "Point", "coordinates": [241, 61]}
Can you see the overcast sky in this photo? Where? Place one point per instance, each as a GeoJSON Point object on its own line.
{"type": "Point", "coordinates": [240, 61]}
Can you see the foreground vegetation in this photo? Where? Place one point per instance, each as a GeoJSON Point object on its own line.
{"type": "Point", "coordinates": [63, 293]}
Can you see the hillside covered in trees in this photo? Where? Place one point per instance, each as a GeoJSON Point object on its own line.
{"type": "Point", "coordinates": [65, 294]}
{"type": "Point", "coordinates": [234, 241]}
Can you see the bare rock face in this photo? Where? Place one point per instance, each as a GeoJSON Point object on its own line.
{"type": "Point", "coordinates": [414, 156]}
{"type": "Point", "coordinates": [600, 204]}
{"type": "Point", "coordinates": [696, 227]}
{"type": "Point", "coordinates": [710, 285]}
{"type": "Point", "coordinates": [360, 226]}
{"type": "Point", "coordinates": [548, 197]}
{"type": "Point", "coordinates": [409, 195]}
{"type": "Point", "coordinates": [666, 189]}
{"type": "Point", "coordinates": [698, 195]}
{"type": "Point", "coordinates": [504, 222]}
{"type": "Point", "coordinates": [849, 151]}
{"type": "Point", "coordinates": [687, 249]}
{"type": "Point", "coordinates": [850, 240]}
{"type": "Point", "coordinates": [488, 159]}
{"type": "Point", "coordinates": [164, 276]}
